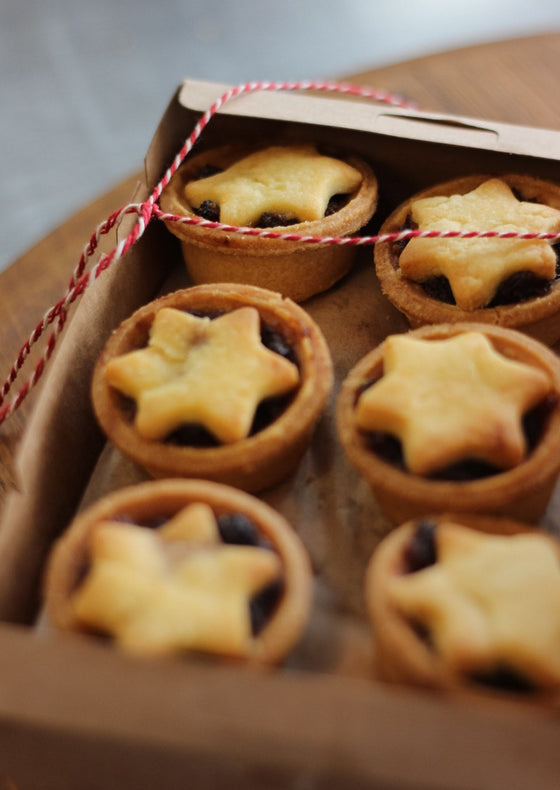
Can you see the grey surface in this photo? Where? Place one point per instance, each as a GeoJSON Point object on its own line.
{"type": "Point", "coordinates": [83, 84]}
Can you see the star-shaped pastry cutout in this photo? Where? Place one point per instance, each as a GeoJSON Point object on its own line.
{"type": "Point", "coordinates": [450, 400]}
{"type": "Point", "coordinates": [475, 267]}
{"type": "Point", "coordinates": [175, 588]}
{"type": "Point", "coordinates": [195, 370]}
{"type": "Point", "coordinates": [489, 601]}
{"type": "Point", "coordinates": [295, 181]}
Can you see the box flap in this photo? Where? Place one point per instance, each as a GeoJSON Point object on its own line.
{"type": "Point", "coordinates": [364, 114]}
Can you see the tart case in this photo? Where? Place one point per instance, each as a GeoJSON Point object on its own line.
{"type": "Point", "coordinates": [164, 498]}
{"type": "Point", "coordinates": [295, 269]}
{"type": "Point", "coordinates": [522, 491]}
{"type": "Point", "coordinates": [253, 463]}
{"type": "Point", "coordinates": [538, 317]}
{"type": "Point", "coordinates": [400, 654]}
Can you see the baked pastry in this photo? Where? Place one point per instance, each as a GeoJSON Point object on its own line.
{"type": "Point", "coordinates": [467, 414]}
{"type": "Point", "coordinates": [465, 603]}
{"type": "Point", "coordinates": [286, 188]}
{"type": "Point", "coordinates": [222, 382]}
{"type": "Point", "coordinates": [174, 566]}
{"type": "Point", "coordinates": [509, 282]}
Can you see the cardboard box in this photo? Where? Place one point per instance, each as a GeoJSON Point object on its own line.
{"type": "Point", "coordinates": [75, 712]}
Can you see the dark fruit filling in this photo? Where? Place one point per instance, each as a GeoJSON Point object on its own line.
{"type": "Point", "coordinates": [238, 529]}
{"type": "Point", "coordinates": [389, 447]}
{"type": "Point", "coordinates": [421, 552]}
{"type": "Point", "coordinates": [269, 219]}
{"type": "Point", "coordinates": [276, 342]}
{"type": "Point", "coordinates": [208, 210]}
{"type": "Point", "coordinates": [518, 287]}
{"type": "Point", "coordinates": [267, 412]}
{"type": "Point", "coordinates": [438, 288]}
{"type": "Point", "coordinates": [263, 605]}
{"type": "Point", "coordinates": [192, 436]}
{"type": "Point", "coordinates": [336, 202]}
{"type": "Point", "coordinates": [398, 246]}
{"type": "Point", "coordinates": [504, 678]}
{"type": "Point", "coordinates": [206, 171]}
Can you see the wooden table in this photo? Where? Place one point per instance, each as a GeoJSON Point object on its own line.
{"type": "Point", "coordinates": [515, 81]}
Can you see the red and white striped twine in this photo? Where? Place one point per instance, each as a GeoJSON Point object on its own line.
{"type": "Point", "coordinates": [358, 241]}
{"type": "Point", "coordinates": [81, 279]}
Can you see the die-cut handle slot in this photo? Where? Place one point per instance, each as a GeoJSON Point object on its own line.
{"type": "Point", "coordinates": [437, 129]}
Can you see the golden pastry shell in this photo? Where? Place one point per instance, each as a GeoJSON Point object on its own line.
{"type": "Point", "coordinates": [401, 656]}
{"type": "Point", "coordinates": [538, 317]}
{"type": "Point", "coordinates": [522, 492]}
{"type": "Point", "coordinates": [154, 499]}
{"type": "Point", "coordinates": [295, 269]}
{"type": "Point", "coordinates": [254, 463]}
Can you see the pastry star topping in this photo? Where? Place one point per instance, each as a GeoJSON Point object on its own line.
{"type": "Point", "coordinates": [176, 588]}
{"type": "Point", "coordinates": [489, 601]}
{"type": "Point", "coordinates": [476, 267]}
{"type": "Point", "coordinates": [450, 400]}
{"type": "Point", "coordinates": [196, 370]}
{"type": "Point", "coordinates": [295, 181]}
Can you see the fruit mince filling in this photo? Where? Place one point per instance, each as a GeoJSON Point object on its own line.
{"type": "Point", "coordinates": [239, 530]}
{"type": "Point", "coordinates": [421, 551]}
{"type": "Point", "coordinates": [210, 210]}
{"type": "Point", "coordinates": [269, 410]}
{"type": "Point", "coordinates": [504, 678]}
{"type": "Point", "coordinates": [518, 287]}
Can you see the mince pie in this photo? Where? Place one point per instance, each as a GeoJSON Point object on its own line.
{"type": "Point", "coordinates": [467, 414]}
{"type": "Point", "coordinates": [284, 188]}
{"type": "Point", "coordinates": [222, 382]}
{"type": "Point", "coordinates": [175, 566]}
{"type": "Point", "coordinates": [509, 282]}
{"type": "Point", "coordinates": [460, 602]}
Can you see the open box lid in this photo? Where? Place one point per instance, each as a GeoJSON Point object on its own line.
{"type": "Point", "coordinates": [409, 149]}
{"type": "Point", "coordinates": [376, 117]}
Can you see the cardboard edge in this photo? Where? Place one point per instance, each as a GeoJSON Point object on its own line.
{"type": "Point", "coordinates": [249, 729]}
